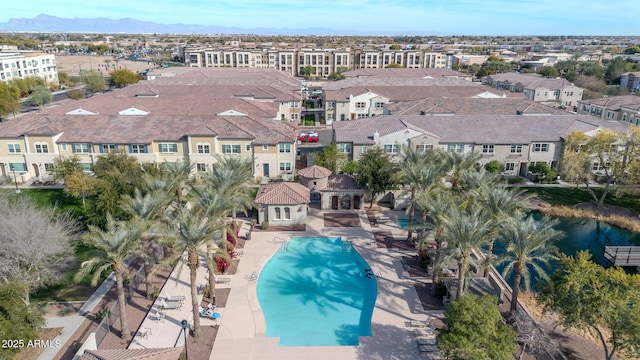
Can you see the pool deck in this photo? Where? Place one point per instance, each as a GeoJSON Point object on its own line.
{"type": "Point", "coordinates": [242, 328]}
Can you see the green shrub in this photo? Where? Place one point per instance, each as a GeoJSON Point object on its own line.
{"type": "Point", "coordinates": [265, 225]}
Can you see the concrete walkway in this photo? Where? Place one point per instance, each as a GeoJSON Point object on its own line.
{"type": "Point", "coordinates": [71, 323]}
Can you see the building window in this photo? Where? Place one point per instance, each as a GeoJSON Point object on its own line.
{"type": "Point", "coordinates": [360, 105]}
{"type": "Point", "coordinates": [138, 149]}
{"type": "Point", "coordinates": [487, 149]}
{"type": "Point", "coordinates": [287, 213]}
{"type": "Point", "coordinates": [285, 166]}
{"type": "Point", "coordinates": [18, 167]}
{"type": "Point", "coordinates": [331, 105]}
{"type": "Point", "coordinates": [200, 167]}
{"type": "Point", "coordinates": [80, 148]}
{"type": "Point", "coordinates": [379, 105]}
{"type": "Point", "coordinates": [392, 148]}
{"type": "Point", "coordinates": [509, 166]}
{"type": "Point", "coordinates": [108, 148]}
{"type": "Point", "coordinates": [344, 148]}
{"type": "Point", "coordinates": [295, 104]}
{"type": "Point", "coordinates": [63, 147]}
{"type": "Point", "coordinates": [516, 149]}
{"type": "Point", "coordinates": [284, 148]}
{"type": "Point", "coordinates": [203, 148]}
{"type": "Point", "coordinates": [456, 148]}
{"type": "Point", "coordinates": [295, 116]}
{"type": "Point", "coordinates": [48, 167]}
{"type": "Point", "coordinates": [265, 147]}
{"type": "Point", "coordinates": [231, 149]}
{"type": "Point", "coordinates": [422, 148]}
{"type": "Point", "coordinates": [168, 148]}
{"type": "Point", "coordinates": [14, 148]}
{"type": "Point", "coordinates": [363, 150]}
{"type": "Point", "coordinates": [247, 147]}
{"type": "Point", "coordinates": [540, 147]}
{"type": "Point", "coordinates": [278, 214]}
{"type": "Point", "coordinates": [86, 167]}
{"type": "Point", "coordinates": [42, 148]}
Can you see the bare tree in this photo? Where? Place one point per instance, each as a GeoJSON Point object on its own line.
{"type": "Point", "coordinates": [35, 244]}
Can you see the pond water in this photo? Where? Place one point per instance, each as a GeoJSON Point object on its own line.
{"type": "Point", "coordinates": [584, 234]}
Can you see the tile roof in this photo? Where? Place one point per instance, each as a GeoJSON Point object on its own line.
{"type": "Point", "coordinates": [132, 354]}
{"type": "Point", "coordinates": [342, 182]}
{"type": "Point", "coordinates": [404, 73]}
{"type": "Point", "coordinates": [405, 93]}
{"type": "Point", "coordinates": [614, 102]}
{"type": "Point", "coordinates": [469, 106]}
{"type": "Point", "coordinates": [314, 172]}
{"type": "Point", "coordinates": [531, 81]}
{"type": "Point", "coordinates": [479, 129]}
{"type": "Point", "coordinates": [283, 193]}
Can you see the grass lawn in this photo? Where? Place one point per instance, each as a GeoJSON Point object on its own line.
{"type": "Point", "coordinates": [52, 197]}
{"type": "Point", "coordinates": [570, 196]}
{"type": "Point", "coordinates": [309, 120]}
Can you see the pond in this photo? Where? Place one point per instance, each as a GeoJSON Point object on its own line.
{"type": "Point", "coordinates": [584, 234]}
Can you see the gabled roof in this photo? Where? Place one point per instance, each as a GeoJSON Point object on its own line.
{"type": "Point", "coordinates": [342, 182]}
{"type": "Point", "coordinates": [614, 102]}
{"type": "Point", "coordinates": [314, 172]}
{"type": "Point", "coordinates": [470, 106]}
{"type": "Point", "coordinates": [283, 193]}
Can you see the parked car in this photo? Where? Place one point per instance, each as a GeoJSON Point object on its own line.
{"type": "Point", "coordinates": [308, 136]}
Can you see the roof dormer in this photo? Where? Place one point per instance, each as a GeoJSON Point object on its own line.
{"type": "Point", "coordinates": [133, 111]}
{"type": "Point", "coordinates": [231, 113]}
{"type": "Point", "coordinates": [80, 111]}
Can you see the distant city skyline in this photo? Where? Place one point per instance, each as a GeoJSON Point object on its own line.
{"type": "Point", "coordinates": [462, 17]}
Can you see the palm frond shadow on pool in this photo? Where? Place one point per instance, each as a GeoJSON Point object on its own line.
{"type": "Point", "coordinates": [323, 282]}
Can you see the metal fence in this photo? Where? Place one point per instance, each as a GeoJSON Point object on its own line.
{"type": "Point", "coordinates": [113, 313]}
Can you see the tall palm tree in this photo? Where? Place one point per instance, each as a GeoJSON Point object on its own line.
{"type": "Point", "coordinates": [419, 171]}
{"type": "Point", "coordinates": [215, 205]}
{"type": "Point", "coordinates": [108, 251]}
{"type": "Point", "coordinates": [529, 244]}
{"type": "Point", "coordinates": [192, 231]}
{"type": "Point", "coordinates": [233, 175]}
{"type": "Point", "coordinates": [455, 164]}
{"type": "Point", "coordinates": [464, 232]}
{"type": "Point", "coordinates": [437, 205]}
{"type": "Point", "coordinates": [499, 204]}
{"type": "Point", "coordinates": [174, 176]}
{"type": "Point", "coordinates": [147, 210]}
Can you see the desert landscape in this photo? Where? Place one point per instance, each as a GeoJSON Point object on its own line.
{"type": "Point", "coordinates": [72, 64]}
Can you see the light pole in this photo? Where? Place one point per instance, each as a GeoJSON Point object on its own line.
{"type": "Point", "coordinates": [185, 325]}
{"type": "Point", "coordinates": [15, 179]}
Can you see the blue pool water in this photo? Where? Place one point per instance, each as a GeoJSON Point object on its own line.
{"type": "Point", "coordinates": [317, 293]}
{"type": "Point", "coordinates": [403, 222]}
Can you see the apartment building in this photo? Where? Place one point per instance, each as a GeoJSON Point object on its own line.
{"type": "Point", "coordinates": [18, 64]}
{"type": "Point", "coordinates": [357, 98]}
{"type": "Point", "coordinates": [324, 61]}
{"type": "Point", "coordinates": [535, 87]}
{"type": "Point", "coordinates": [625, 109]}
{"type": "Point", "coordinates": [187, 116]}
{"type": "Point", "coordinates": [514, 140]}
{"type": "Point", "coordinates": [631, 81]}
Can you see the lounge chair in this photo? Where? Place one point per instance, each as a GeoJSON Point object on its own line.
{"type": "Point", "coordinates": [144, 332]}
{"type": "Point", "coordinates": [222, 280]}
{"type": "Point", "coordinates": [421, 341]}
{"type": "Point", "coordinates": [156, 315]}
{"type": "Point", "coordinates": [170, 298]}
{"type": "Point", "coordinates": [172, 305]}
{"type": "Point", "coordinates": [424, 332]}
{"type": "Point", "coordinates": [209, 314]}
{"type": "Point", "coordinates": [418, 323]}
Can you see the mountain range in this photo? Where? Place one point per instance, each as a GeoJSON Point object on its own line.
{"type": "Point", "coordinates": [47, 24]}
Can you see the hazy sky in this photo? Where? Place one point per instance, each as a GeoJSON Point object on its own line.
{"type": "Point", "coordinates": [481, 17]}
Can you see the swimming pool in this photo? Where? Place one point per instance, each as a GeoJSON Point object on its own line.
{"type": "Point", "coordinates": [317, 293]}
{"type": "Point", "coordinates": [403, 222]}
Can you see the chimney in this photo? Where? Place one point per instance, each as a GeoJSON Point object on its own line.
{"type": "Point", "coordinates": [376, 136]}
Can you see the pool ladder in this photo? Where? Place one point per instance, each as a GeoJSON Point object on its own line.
{"type": "Point", "coordinates": [347, 246]}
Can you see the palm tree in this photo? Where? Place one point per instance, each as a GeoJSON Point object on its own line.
{"type": "Point", "coordinates": [464, 231]}
{"type": "Point", "coordinates": [417, 170]}
{"type": "Point", "coordinates": [498, 204]}
{"type": "Point", "coordinates": [437, 205]}
{"type": "Point", "coordinates": [215, 205]}
{"type": "Point", "coordinates": [529, 243]}
{"type": "Point", "coordinates": [192, 230]}
{"type": "Point", "coordinates": [146, 210]}
{"type": "Point", "coordinates": [109, 250]}
{"type": "Point", "coordinates": [232, 175]}
{"type": "Point", "coordinates": [455, 164]}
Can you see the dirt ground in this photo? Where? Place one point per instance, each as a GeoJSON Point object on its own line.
{"type": "Point", "coordinates": [72, 64]}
